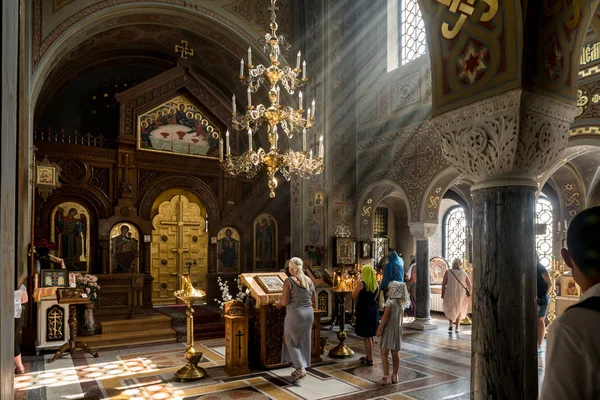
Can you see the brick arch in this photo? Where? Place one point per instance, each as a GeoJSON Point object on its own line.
{"type": "Point", "coordinates": [191, 183]}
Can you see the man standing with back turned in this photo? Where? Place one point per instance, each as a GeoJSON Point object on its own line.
{"type": "Point", "coordinates": [573, 348]}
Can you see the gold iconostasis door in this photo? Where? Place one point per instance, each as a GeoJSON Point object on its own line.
{"type": "Point", "coordinates": [178, 237]}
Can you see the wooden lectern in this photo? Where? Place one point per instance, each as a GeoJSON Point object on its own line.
{"type": "Point", "coordinates": [72, 297]}
{"type": "Point", "coordinates": [266, 339]}
{"type": "Point", "coordinates": [236, 339]}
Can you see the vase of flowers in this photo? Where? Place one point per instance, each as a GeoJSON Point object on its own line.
{"type": "Point", "coordinates": [226, 297]}
{"type": "Point", "coordinates": [315, 253]}
{"type": "Point", "coordinates": [89, 284]}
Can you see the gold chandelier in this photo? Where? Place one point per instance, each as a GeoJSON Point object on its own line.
{"type": "Point", "coordinates": [276, 117]}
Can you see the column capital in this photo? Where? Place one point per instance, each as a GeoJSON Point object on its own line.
{"type": "Point", "coordinates": [507, 139]}
{"type": "Point", "coordinates": [422, 230]}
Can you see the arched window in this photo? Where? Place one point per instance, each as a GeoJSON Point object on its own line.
{"type": "Point", "coordinates": [454, 233]}
{"type": "Point", "coordinates": [406, 38]}
{"type": "Point", "coordinates": [543, 241]}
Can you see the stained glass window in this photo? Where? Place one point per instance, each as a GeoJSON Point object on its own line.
{"type": "Point", "coordinates": [543, 241]}
{"type": "Point", "coordinates": [454, 234]}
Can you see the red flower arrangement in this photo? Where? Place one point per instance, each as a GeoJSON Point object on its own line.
{"type": "Point", "coordinates": [44, 244]}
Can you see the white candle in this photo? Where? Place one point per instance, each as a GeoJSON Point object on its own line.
{"type": "Point", "coordinates": [221, 149]}
{"type": "Point", "coordinates": [300, 100]}
{"type": "Point", "coordinates": [310, 154]}
{"type": "Point", "coordinates": [249, 55]}
{"type": "Point", "coordinates": [277, 95]}
{"type": "Point", "coordinates": [242, 67]}
{"type": "Point", "coordinates": [298, 60]}
{"type": "Point", "coordinates": [304, 69]}
{"type": "Point", "coordinates": [249, 97]}
{"type": "Point", "coordinates": [250, 139]}
{"type": "Point", "coordinates": [304, 140]}
{"type": "Point", "coordinates": [308, 114]}
{"type": "Point", "coordinates": [313, 108]}
{"type": "Point", "coordinates": [321, 147]}
{"type": "Point", "coordinates": [228, 146]}
{"type": "Point", "coordinates": [233, 104]}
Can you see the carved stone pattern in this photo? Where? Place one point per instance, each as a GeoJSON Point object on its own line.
{"type": "Point", "coordinates": [257, 15]}
{"type": "Point", "coordinates": [427, 91]}
{"type": "Point", "coordinates": [197, 186]}
{"type": "Point", "coordinates": [383, 101]}
{"type": "Point", "coordinates": [422, 230]}
{"type": "Point", "coordinates": [415, 158]}
{"type": "Point", "coordinates": [113, 299]}
{"type": "Point", "coordinates": [405, 91]}
{"type": "Point", "coordinates": [72, 170]}
{"type": "Point", "coordinates": [514, 134]}
{"type": "Point", "coordinates": [392, 137]}
{"type": "Point", "coordinates": [100, 179]}
{"type": "Point", "coordinates": [368, 108]}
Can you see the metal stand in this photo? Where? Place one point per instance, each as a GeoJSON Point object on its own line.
{"type": "Point", "coordinates": [341, 350]}
{"type": "Point", "coordinates": [191, 371]}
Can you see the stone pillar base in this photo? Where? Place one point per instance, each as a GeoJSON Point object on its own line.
{"type": "Point", "coordinates": [421, 324]}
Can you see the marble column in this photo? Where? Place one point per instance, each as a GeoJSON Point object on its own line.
{"type": "Point", "coordinates": [504, 356]}
{"type": "Point", "coordinates": [8, 186]}
{"type": "Point", "coordinates": [422, 231]}
{"type": "Point", "coordinates": [502, 144]}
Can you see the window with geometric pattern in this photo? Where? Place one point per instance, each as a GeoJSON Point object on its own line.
{"type": "Point", "coordinates": [380, 222]}
{"type": "Point", "coordinates": [406, 39]}
{"type": "Point", "coordinates": [454, 234]}
{"type": "Point", "coordinates": [543, 240]}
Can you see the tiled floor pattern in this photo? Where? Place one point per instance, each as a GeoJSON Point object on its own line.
{"type": "Point", "coordinates": [434, 365]}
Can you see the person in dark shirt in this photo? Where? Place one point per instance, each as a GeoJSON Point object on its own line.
{"type": "Point", "coordinates": [543, 299]}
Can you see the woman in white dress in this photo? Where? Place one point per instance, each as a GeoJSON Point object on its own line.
{"type": "Point", "coordinates": [455, 286]}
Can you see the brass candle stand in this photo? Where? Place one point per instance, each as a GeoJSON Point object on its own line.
{"type": "Point", "coordinates": [555, 273]}
{"type": "Point", "coordinates": [189, 295]}
{"type": "Point", "coordinates": [343, 285]}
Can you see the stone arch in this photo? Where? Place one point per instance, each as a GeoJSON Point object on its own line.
{"type": "Point", "coordinates": [371, 196]}
{"type": "Point", "coordinates": [432, 196]}
{"type": "Point", "coordinates": [193, 184]}
{"type": "Point", "coordinates": [45, 56]}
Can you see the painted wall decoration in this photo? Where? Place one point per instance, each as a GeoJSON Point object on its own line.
{"type": "Point", "coordinates": [70, 230]}
{"type": "Point", "coordinates": [265, 242]}
{"type": "Point", "coordinates": [228, 250]}
{"type": "Point", "coordinates": [178, 126]}
{"type": "Point", "coordinates": [124, 248]}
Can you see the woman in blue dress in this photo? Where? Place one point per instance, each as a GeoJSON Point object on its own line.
{"type": "Point", "coordinates": [394, 271]}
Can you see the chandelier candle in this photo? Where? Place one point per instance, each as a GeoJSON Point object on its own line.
{"type": "Point", "coordinates": [274, 117]}
{"type": "Point", "coordinates": [228, 146]}
{"type": "Point", "coordinates": [234, 106]}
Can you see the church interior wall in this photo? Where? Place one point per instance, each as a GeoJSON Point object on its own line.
{"type": "Point", "coordinates": [436, 241]}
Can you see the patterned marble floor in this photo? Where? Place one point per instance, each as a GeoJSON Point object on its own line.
{"type": "Point", "coordinates": [434, 365]}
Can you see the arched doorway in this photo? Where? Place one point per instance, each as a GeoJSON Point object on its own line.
{"type": "Point", "coordinates": [179, 239]}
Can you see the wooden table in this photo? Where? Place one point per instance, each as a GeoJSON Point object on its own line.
{"type": "Point", "coordinates": [67, 296]}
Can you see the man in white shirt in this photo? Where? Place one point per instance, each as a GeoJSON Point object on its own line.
{"type": "Point", "coordinates": [573, 348]}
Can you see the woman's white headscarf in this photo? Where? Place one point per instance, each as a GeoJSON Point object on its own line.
{"type": "Point", "coordinates": [295, 267]}
{"type": "Point", "coordinates": [397, 290]}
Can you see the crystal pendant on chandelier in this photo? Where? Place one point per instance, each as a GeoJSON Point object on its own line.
{"type": "Point", "coordinates": [276, 118]}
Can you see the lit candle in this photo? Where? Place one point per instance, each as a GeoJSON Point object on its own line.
{"type": "Point", "coordinates": [227, 139]}
{"type": "Point", "coordinates": [313, 108]}
{"type": "Point", "coordinates": [233, 104]}
{"type": "Point", "coordinates": [221, 149]}
{"type": "Point", "coordinates": [300, 100]}
{"type": "Point", "coordinates": [321, 147]}
{"type": "Point", "coordinates": [304, 69]}
{"type": "Point", "coordinates": [304, 140]}
{"type": "Point", "coordinates": [249, 56]}
{"type": "Point", "coordinates": [249, 97]}
{"type": "Point", "coordinates": [250, 138]}
{"type": "Point", "coordinates": [242, 67]}
{"type": "Point", "coordinates": [298, 60]}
